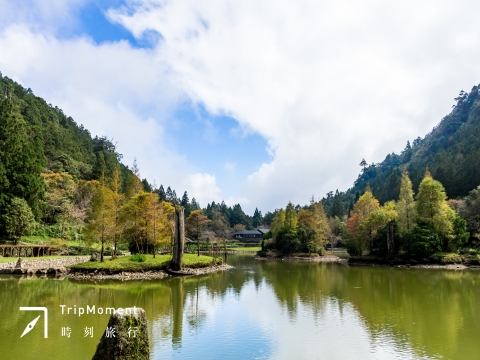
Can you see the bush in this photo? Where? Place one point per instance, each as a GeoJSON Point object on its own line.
{"type": "Point", "coordinates": [422, 242]}
{"type": "Point", "coordinates": [138, 258]}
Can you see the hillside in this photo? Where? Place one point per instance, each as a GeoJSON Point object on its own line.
{"type": "Point", "coordinates": [451, 151]}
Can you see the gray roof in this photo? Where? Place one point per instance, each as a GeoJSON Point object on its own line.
{"type": "Point", "coordinates": [264, 231]}
{"type": "Point", "coordinates": [248, 232]}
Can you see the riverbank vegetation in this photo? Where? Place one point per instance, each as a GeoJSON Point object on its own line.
{"type": "Point", "coordinates": [60, 186]}
{"type": "Point", "coordinates": [145, 263]}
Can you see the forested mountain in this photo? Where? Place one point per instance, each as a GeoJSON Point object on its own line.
{"type": "Point", "coordinates": [37, 138]}
{"type": "Point", "coordinates": [451, 151]}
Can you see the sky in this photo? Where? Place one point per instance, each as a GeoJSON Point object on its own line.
{"type": "Point", "coordinates": [250, 102]}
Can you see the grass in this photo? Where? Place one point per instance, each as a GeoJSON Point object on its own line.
{"type": "Point", "coordinates": [255, 248]}
{"type": "Point", "coordinates": [160, 262]}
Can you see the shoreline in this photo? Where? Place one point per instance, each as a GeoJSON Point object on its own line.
{"type": "Point", "coordinates": [146, 275]}
{"type": "Point", "coordinates": [325, 258]}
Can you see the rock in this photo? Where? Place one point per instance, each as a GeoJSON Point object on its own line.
{"type": "Point", "coordinates": [94, 257]}
{"type": "Point", "coordinates": [19, 264]}
{"type": "Point", "coordinates": [130, 340]}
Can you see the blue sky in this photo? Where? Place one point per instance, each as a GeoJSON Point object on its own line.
{"type": "Point", "coordinates": [257, 103]}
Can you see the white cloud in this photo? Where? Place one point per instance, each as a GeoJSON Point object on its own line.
{"type": "Point", "coordinates": [326, 83]}
{"type": "Point", "coordinates": [203, 187]}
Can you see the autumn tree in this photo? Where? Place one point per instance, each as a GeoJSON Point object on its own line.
{"type": "Point", "coordinates": [101, 217]}
{"type": "Point", "coordinates": [432, 209]}
{"type": "Point", "coordinates": [405, 206]}
{"type": "Point", "coordinates": [360, 232]}
{"type": "Point", "coordinates": [134, 185]}
{"type": "Point", "coordinates": [196, 224]}
{"type": "Point", "coordinates": [117, 199]}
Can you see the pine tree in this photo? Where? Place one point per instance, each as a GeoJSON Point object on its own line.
{"type": "Point", "coordinates": [186, 204]}
{"type": "Point", "coordinates": [337, 208]}
{"type": "Point", "coordinates": [161, 194]}
{"type": "Point", "coordinates": [117, 197]}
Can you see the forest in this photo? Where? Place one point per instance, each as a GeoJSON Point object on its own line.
{"type": "Point", "coordinates": [59, 183]}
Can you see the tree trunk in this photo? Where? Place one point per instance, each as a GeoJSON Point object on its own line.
{"type": "Point", "coordinates": [390, 240]}
{"type": "Point", "coordinates": [178, 245]}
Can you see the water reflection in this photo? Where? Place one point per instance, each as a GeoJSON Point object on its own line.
{"type": "Point", "coordinates": [262, 309]}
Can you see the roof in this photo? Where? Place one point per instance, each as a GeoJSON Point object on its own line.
{"type": "Point", "coordinates": [264, 231]}
{"type": "Point", "coordinates": [248, 232]}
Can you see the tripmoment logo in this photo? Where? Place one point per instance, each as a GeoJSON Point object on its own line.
{"type": "Point", "coordinates": [32, 323]}
{"type": "Point", "coordinates": [75, 311]}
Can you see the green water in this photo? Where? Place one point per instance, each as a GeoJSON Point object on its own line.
{"type": "Point", "coordinates": [261, 309]}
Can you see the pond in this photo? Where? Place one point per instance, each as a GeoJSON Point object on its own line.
{"type": "Point", "coordinates": [259, 310]}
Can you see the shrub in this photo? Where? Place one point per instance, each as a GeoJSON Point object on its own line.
{"type": "Point", "coordinates": [138, 258]}
{"type": "Point", "coordinates": [422, 242]}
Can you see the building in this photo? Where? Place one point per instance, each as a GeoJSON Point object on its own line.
{"type": "Point", "coordinates": [250, 235]}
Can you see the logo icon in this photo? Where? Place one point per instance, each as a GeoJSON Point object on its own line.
{"type": "Point", "coordinates": [32, 323]}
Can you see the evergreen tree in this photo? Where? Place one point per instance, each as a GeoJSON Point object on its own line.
{"type": "Point", "coordinates": [186, 204]}
{"type": "Point", "coordinates": [169, 195]}
{"type": "Point", "coordinates": [337, 208]}
{"type": "Point", "coordinates": [161, 194]}
{"type": "Point", "coordinates": [146, 186]}
{"type": "Point", "coordinates": [19, 219]}
{"type": "Point", "coordinates": [257, 218]}
{"type": "Point", "coordinates": [21, 160]}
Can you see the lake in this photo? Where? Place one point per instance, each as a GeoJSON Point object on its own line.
{"type": "Point", "coordinates": [259, 310]}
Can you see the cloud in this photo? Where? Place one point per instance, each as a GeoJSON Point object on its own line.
{"type": "Point", "coordinates": [326, 83]}
{"type": "Point", "coordinates": [204, 188]}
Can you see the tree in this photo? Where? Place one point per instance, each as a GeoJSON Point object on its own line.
{"type": "Point", "coordinates": [19, 219]}
{"type": "Point", "coordinates": [101, 217]}
{"type": "Point", "coordinates": [432, 209]}
{"type": "Point", "coordinates": [470, 210]}
{"type": "Point", "coordinates": [257, 219]}
{"type": "Point", "coordinates": [161, 194]}
{"type": "Point", "coordinates": [382, 218]}
{"type": "Point", "coordinates": [134, 185]}
{"type": "Point", "coordinates": [21, 159]}
{"type": "Point", "coordinates": [406, 205]}
{"type": "Point", "coordinates": [290, 217]}
{"type": "Point", "coordinates": [196, 224]}
{"type": "Point", "coordinates": [360, 232]}
{"type": "Point", "coordinates": [146, 186]}
{"type": "Point", "coordinates": [58, 202]}
{"type": "Point", "coordinates": [337, 208]}
{"type": "Point", "coordinates": [185, 202]}
{"type": "Point", "coordinates": [117, 198]}
{"type": "Point", "coordinates": [277, 223]}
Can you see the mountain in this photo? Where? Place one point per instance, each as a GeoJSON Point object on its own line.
{"type": "Point", "coordinates": [36, 137]}
{"type": "Point", "coordinates": [451, 151]}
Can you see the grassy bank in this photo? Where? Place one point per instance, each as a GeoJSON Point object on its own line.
{"type": "Point", "coordinates": [255, 248]}
{"type": "Point", "coordinates": [437, 258]}
{"type": "Point", "coordinates": [160, 262]}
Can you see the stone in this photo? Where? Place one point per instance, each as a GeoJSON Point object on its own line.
{"type": "Point", "coordinates": [19, 264]}
{"type": "Point", "coordinates": [131, 337]}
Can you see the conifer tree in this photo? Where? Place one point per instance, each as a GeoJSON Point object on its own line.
{"type": "Point", "coordinates": [290, 217]}
{"type": "Point", "coordinates": [431, 208]}
{"type": "Point", "coordinates": [117, 197]}
{"type": "Point", "coordinates": [406, 205]}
